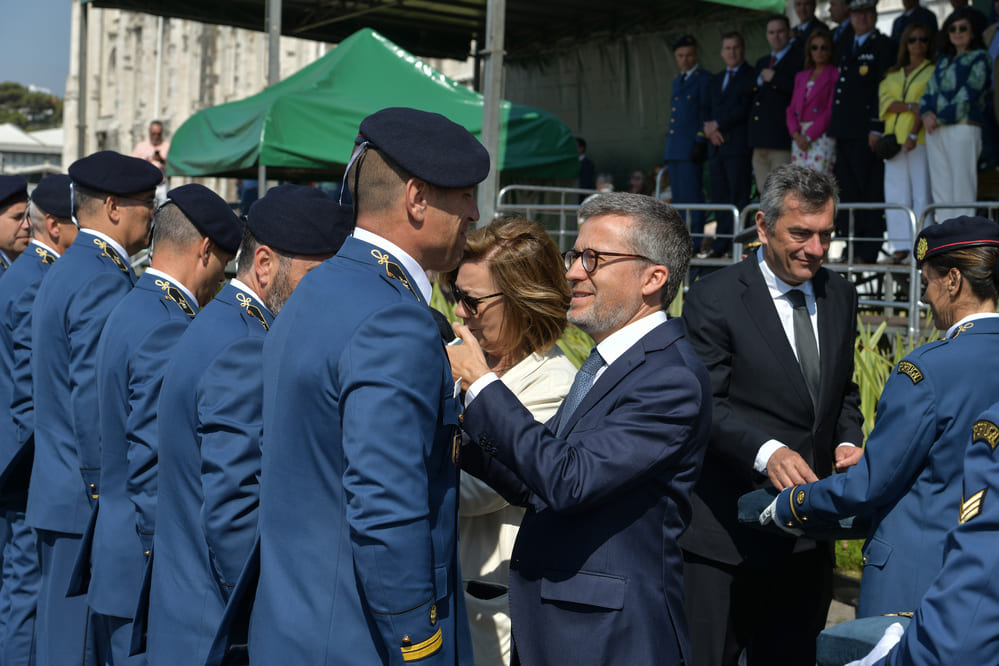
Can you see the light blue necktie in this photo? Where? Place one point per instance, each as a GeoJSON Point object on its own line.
{"type": "Point", "coordinates": [580, 387]}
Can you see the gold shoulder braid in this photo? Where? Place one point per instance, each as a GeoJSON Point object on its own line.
{"type": "Point", "coordinates": [174, 294]}
{"type": "Point", "coordinates": [252, 309]}
{"type": "Point", "coordinates": [962, 328]}
{"type": "Point", "coordinates": [46, 256]}
{"type": "Point", "coordinates": [393, 270]}
{"type": "Point", "coordinates": [110, 253]}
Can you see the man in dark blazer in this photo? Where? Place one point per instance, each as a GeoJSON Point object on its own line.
{"type": "Point", "coordinates": [805, 9]}
{"type": "Point", "coordinates": [856, 126]}
{"type": "Point", "coordinates": [726, 128]}
{"type": "Point", "coordinates": [595, 576]}
{"type": "Point", "coordinates": [768, 135]}
{"type": "Point", "coordinates": [913, 12]}
{"type": "Point", "coordinates": [775, 419]}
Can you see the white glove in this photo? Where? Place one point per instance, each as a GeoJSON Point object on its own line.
{"type": "Point", "coordinates": [769, 515]}
{"type": "Point", "coordinates": [888, 640]}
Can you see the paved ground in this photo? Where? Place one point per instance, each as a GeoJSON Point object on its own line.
{"type": "Point", "coordinates": [840, 612]}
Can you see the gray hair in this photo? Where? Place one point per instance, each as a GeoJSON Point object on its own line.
{"type": "Point", "coordinates": [657, 232]}
{"type": "Point", "coordinates": [171, 227]}
{"type": "Point", "coordinates": [37, 217]}
{"type": "Point", "coordinates": [811, 189]}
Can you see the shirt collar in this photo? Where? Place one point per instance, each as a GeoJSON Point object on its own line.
{"type": "Point", "coordinates": [6, 259]}
{"type": "Point", "coordinates": [119, 248]}
{"type": "Point", "coordinates": [412, 267]}
{"type": "Point", "coordinates": [691, 70]}
{"type": "Point", "coordinates": [620, 341]}
{"type": "Point", "coordinates": [35, 241]}
{"type": "Point", "coordinates": [242, 286]}
{"type": "Point", "coordinates": [174, 281]}
{"type": "Point", "coordinates": [860, 39]}
{"type": "Point", "coordinates": [775, 285]}
{"type": "Point", "coordinates": [972, 317]}
{"type": "Point", "coordinates": [780, 54]}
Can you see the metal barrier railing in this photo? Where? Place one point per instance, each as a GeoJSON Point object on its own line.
{"type": "Point", "coordinates": [876, 282]}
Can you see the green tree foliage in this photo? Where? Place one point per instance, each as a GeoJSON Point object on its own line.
{"type": "Point", "coordinates": [28, 110]}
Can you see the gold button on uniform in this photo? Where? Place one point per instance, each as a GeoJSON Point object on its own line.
{"type": "Point", "coordinates": [433, 614]}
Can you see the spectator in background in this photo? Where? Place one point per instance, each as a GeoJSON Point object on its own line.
{"type": "Point", "coordinates": [686, 147]}
{"type": "Point", "coordinates": [587, 172]}
{"type": "Point", "coordinates": [977, 18]}
{"type": "Point", "coordinates": [154, 150]}
{"type": "Point", "coordinates": [805, 9]}
{"type": "Point", "coordinates": [729, 154]}
{"type": "Point", "coordinates": [775, 72]}
{"type": "Point", "coordinates": [636, 183]}
{"type": "Point", "coordinates": [953, 109]}
{"type": "Point", "coordinates": [511, 292]}
{"type": "Point", "coordinates": [605, 182]}
{"type": "Point", "coordinates": [839, 11]}
{"type": "Point", "coordinates": [856, 126]}
{"type": "Point", "coordinates": [811, 106]}
{"type": "Point", "coordinates": [914, 13]}
{"type": "Point", "coordinates": [907, 175]}
{"type": "Point", "coordinates": [990, 128]}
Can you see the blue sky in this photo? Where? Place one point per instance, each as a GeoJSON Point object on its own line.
{"type": "Point", "coordinates": [34, 43]}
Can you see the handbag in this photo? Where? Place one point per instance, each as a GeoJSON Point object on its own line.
{"type": "Point", "coordinates": [887, 147]}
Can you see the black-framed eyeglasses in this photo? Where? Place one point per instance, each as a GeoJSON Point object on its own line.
{"type": "Point", "coordinates": [471, 303]}
{"type": "Point", "coordinates": [919, 38]}
{"type": "Point", "coordinates": [591, 257]}
{"type": "Point", "coordinates": [959, 27]}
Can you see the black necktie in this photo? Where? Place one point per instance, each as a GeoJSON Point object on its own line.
{"type": "Point", "coordinates": [580, 387]}
{"type": "Point", "coordinates": [804, 341]}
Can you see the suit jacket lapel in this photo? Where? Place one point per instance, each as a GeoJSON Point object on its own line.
{"type": "Point", "coordinates": [762, 312]}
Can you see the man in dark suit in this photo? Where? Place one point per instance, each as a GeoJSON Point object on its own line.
{"type": "Point", "coordinates": [729, 154]}
{"type": "Point", "coordinates": [113, 202]}
{"type": "Point", "coordinates": [805, 9]}
{"type": "Point", "coordinates": [856, 126]}
{"type": "Point", "coordinates": [839, 11]}
{"type": "Point", "coordinates": [776, 332]}
{"type": "Point", "coordinates": [595, 576]}
{"type": "Point", "coordinates": [686, 147]}
{"type": "Point", "coordinates": [913, 12]}
{"type": "Point", "coordinates": [212, 408]}
{"type": "Point", "coordinates": [768, 135]}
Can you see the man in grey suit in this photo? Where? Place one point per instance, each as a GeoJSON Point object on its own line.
{"type": "Point", "coordinates": [776, 332]}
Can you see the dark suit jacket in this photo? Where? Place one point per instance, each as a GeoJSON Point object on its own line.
{"type": "Point", "coordinates": [730, 109]}
{"type": "Point", "coordinates": [760, 394]}
{"type": "Point", "coordinates": [855, 103]}
{"type": "Point", "coordinates": [596, 570]}
{"type": "Point", "coordinates": [801, 34]}
{"type": "Point", "coordinates": [767, 128]}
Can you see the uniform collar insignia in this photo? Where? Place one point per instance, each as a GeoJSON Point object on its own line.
{"type": "Point", "coordinates": [110, 253]}
{"type": "Point", "coordinates": [247, 303]}
{"type": "Point", "coordinates": [3, 263]}
{"type": "Point", "coordinates": [174, 294]}
{"type": "Point", "coordinates": [393, 270]}
{"type": "Point", "coordinates": [45, 255]}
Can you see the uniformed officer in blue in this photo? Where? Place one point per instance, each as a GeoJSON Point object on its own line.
{"type": "Point", "coordinates": [211, 409]}
{"type": "Point", "coordinates": [358, 504]}
{"type": "Point", "coordinates": [686, 147]}
{"type": "Point", "coordinates": [52, 232]}
{"type": "Point", "coordinates": [14, 233]}
{"type": "Point", "coordinates": [195, 234]}
{"type": "Point", "coordinates": [955, 622]}
{"type": "Point", "coordinates": [907, 484]}
{"type": "Point", "coordinates": [113, 203]}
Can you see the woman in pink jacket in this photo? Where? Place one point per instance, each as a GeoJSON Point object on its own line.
{"type": "Point", "coordinates": [811, 106]}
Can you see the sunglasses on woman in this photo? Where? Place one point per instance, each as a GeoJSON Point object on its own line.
{"type": "Point", "coordinates": [919, 38]}
{"type": "Point", "coordinates": [959, 27]}
{"type": "Point", "coordinates": [819, 47]}
{"type": "Point", "coordinates": [471, 303]}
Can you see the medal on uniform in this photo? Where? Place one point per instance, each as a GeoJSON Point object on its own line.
{"type": "Point", "coordinates": [863, 70]}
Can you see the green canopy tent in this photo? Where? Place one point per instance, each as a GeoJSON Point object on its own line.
{"type": "Point", "coordinates": [304, 126]}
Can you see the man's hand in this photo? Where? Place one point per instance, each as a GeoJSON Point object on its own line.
{"type": "Point", "coordinates": [930, 122]}
{"type": "Point", "coordinates": [767, 75]}
{"type": "Point", "coordinates": [786, 468]}
{"type": "Point", "coordinates": [848, 456]}
{"type": "Point", "coordinates": [468, 362]}
{"type": "Point", "coordinates": [872, 140]}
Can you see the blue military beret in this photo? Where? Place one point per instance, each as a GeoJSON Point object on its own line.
{"type": "Point", "coordinates": [427, 145]}
{"type": "Point", "coordinates": [114, 173]}
{"type": "Point", "coordinates": [12, 190]}
{"type": "Point", "coordinates": [300, 220]}
{"type": "Point", "coordinates": [955, 234]}
{"type": "Point", "coordinates": [209, 213]}
{"type": "Point", "coordinates": [686, 40]}
{"type": "Point", "coordinates": [54, 196]}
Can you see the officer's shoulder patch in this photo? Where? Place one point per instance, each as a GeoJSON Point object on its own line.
{"type": "Point", "coordinates": [985, 431]}
{"type": "Point", "coordinates": [972, 506]}
{"type": "Point", "coordinates": [909, 369]}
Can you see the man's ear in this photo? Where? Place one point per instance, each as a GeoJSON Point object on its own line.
{"type": "Point", "coordinates": [655, 279]}
{"type": "Point", "coordinates": [417, 193]}
{"type": "Point", "coordinates": [265, 265]}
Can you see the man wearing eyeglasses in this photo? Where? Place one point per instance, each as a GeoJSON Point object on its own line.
{"type": "Point", "coordinates": [595, 576]}
{"type": "Point", "coordinates": [776, 332]}
{"type": "Point", "coordinates": [14, 228]}
{"type": "Point", "coordinates": [113, 202]}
